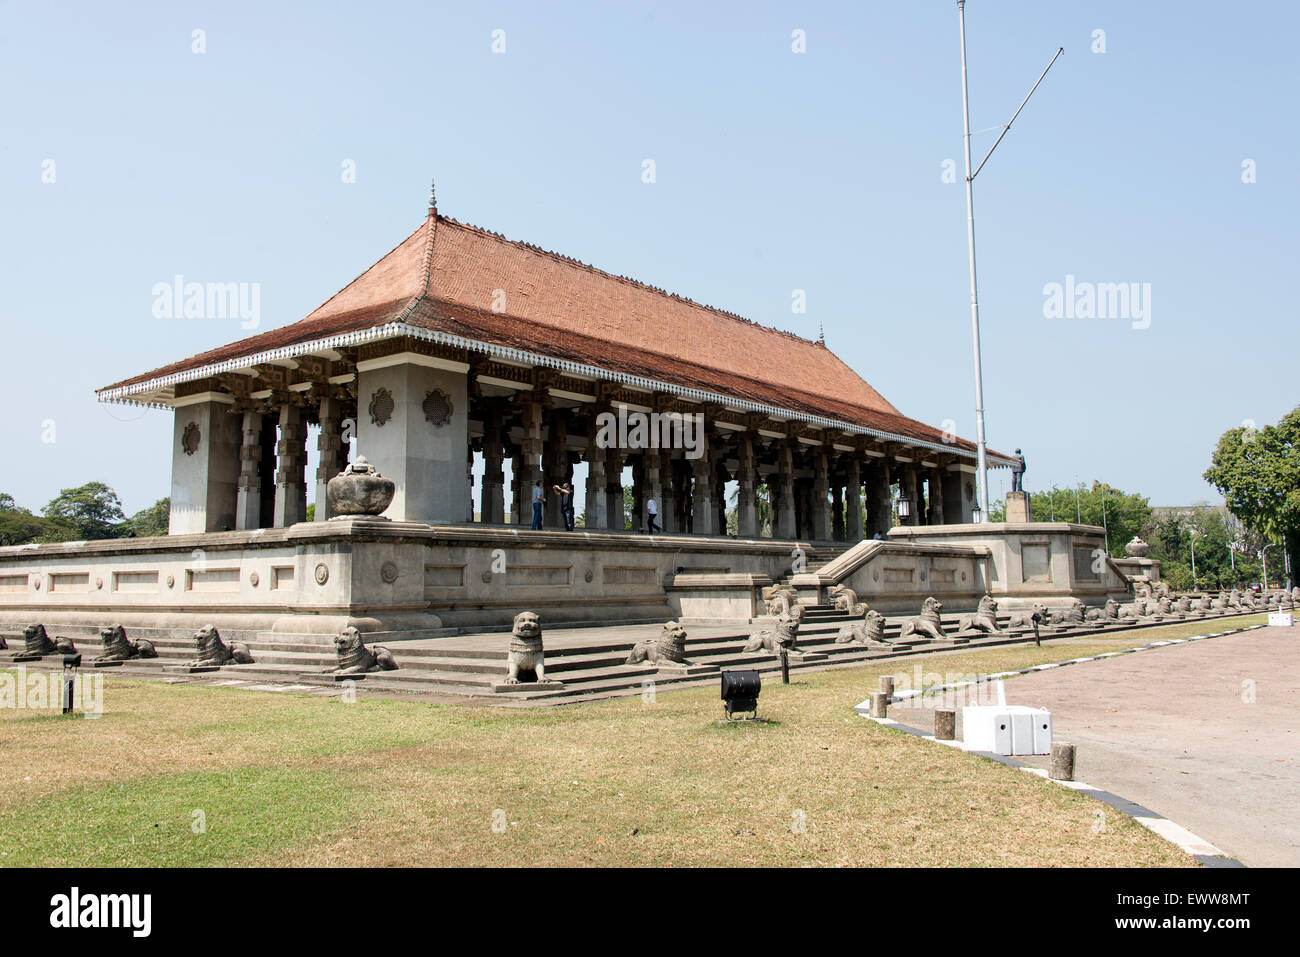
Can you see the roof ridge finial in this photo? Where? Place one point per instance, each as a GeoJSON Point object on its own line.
{"type": "Point", "coordinates": [433, 198]}
{"type": "Point", "coordinates": [821, 332]}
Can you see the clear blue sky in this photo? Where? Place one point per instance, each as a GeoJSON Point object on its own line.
{"type": "Point", "coordinates": [775, 171]}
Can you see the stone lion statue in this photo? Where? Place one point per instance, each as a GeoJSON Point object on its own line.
{"type": "Point", "coordinates": [1108, 612]}
{"type": "Point", "coordinates": [1182, 606]}
{"type": "Point", "coordinates": [1075, 613]}
{"type": "Point", "coordinates": [784, 635]}
{"type": "Point", "coordinates": [215, 652]}
{"type": "Point", "coordinates": [1165, 608]}
{"type": "Point", "coordinates": [118, 647]}
{"type": "Point", "coordinates": [927, 623]}
{"type": "Point", "coordinates": [869, 631]}
{"type": "Point", "coordinates": [1026, 618]}
{"type": "Point", "coordinates": [985, 618]}
{"type": "Point", "coordinates": [37, 642]}
{"type": "Point", "coordinates": [354, 658]}
{"type": "Point", "coordinates": [781, 600]}
{"type": "Point", "coordinates": [525, 652]}
{"type": "Point", "coordinates": [668, 648]}
{"type": "Point", "coordinates": [845, 598]}
{"type": "Point", "coordinates": [1234, 599]}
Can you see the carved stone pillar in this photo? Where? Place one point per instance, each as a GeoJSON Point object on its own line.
{"type": "Point", "coordinates": [820, 525]}
{"type": "Point", "coordinates": [329, 444]}
{"type": "Point", "coordinates": [882, 504]}
{"type": "Point", "coordinates": [248, 506]}
{"type": "Point", "coordinates": [555, 458]}
{"type": "Point", "coordinates": [597, 499]}
{"type": "Point", "coordinates": [492, 495]}
{"type": "Point", "coordinates": [837, 512]}
{"type": "Point", "coordinates": [667, 488]}
{"type": "Point", "coordinates": [530, 466]}
{"type": "Point", "coordinates": [936, 496]}
{"type": "Point", "coordinates": [614, 519]}
{"type": "Point", "coordinates": [291, 470]}
{"type": "Point", "coordinates": [911, 491]}
{"type": "Point", "coordinates": [747, 494]}
{"type": "Point", "coordinates": [785, 505]}
{"type": "Point", "coordinates": [704, 513]}
{"type": "Point", "coordinates": [853, 499]}
{"type": "Point", "coordinates": [651, 487]}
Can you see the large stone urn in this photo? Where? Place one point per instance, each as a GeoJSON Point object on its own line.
{"type": "Point", "coordinates": [1136, 548]}
{"type": "Point", "coordinates": [358, 490]}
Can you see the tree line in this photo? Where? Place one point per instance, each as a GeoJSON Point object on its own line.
{"type": "Point", "coordinates": [87, 512]}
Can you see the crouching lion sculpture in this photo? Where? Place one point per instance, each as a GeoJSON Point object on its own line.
{"type": "Point", "coordinates": [354, 658]}
{"type": "Point", "coordinates": [869, 631]}
{"type": "Point", "coordinates": [118, 647]}
{"type": "Point", "coordinates": [215, 652]}
{"type": "Point", "coordinates": [784, 636]}
{"type": "Point", "coordinates": [927, 623]}
{"type": "Point", "coordinates": [845, 598]}
{"type": "Point", "coordinates": [669, 648]}
{"type": "Point", "coordinates": [37, 642]}
{"type": "Point", "coordinates": [985, 618]}
{"type": "Point", "coordinates": [525, 652]}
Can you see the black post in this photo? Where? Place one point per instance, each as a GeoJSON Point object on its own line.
{"type": "Point", "coordinates": [785, 667]}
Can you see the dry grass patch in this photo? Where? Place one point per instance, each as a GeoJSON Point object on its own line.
{"type": "Point", "coordinates": [288, 779]}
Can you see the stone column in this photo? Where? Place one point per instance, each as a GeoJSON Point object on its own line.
{"type": "Point", "coordinates": [820, 525]}
{"type": "Point", "coordinates": [704, 514]}
{"type": "Point", "coordinates": [667, 485]}
{"type": "Point", "coordinates": [882, 498]}
{"type": "Point", "coordinates": [912, 489]}
{"type": "Point", "coordinates": [651, 486]}
{"type": "Point", "coordinates": [329, 443]}
{"type": "Point", "coordinates": [936, 496]}
{"type": "Point", "coordinates": [530, 466]}
{"type": "Point", "coordinates": [492, 504]}
{"type": "Point", "coordinates": [784, 521]}
{"type": "Point", "coordinates": [596, 500]}
{"type": "Point", "coordinates": [556, 461]}
{"type": "Point", "coordinates": [853, 500]}
{"type": "Point", "coordinates": [720, 479]}
{"type": "Point", "coordinates": [413, 427]}
{"type": "Point", "coordinates": [205, 465]}
{"type": "Point", "coordinates": [516, 487]}
{"type": "Point", "coordinates": [614, 489]}
{"type": "Point", "coordinates": [291, 468]}
{"type": "Point", "coordinates": [837, 512]}
{"type": "Point", "coordinates": [747, 495]}
{"type": "Point", "coordinates": [248, 508]}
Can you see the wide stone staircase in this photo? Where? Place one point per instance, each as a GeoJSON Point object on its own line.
{"type": "Point", "coordinates": [475, 667]}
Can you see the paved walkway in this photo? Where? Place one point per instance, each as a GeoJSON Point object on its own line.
{"type": "Point", "coordinates": [1205, 733]}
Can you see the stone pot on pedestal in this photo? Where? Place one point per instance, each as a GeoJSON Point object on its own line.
{"type": "Point", "coordinates": [1136, 548]}
{"type": "Point", "coordinates": [358, 490]}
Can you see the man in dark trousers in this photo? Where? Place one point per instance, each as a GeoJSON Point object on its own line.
{"type": "Point", "coordinates": [565, 492]}
{"type": "Point", "coordinates": [538, 497]}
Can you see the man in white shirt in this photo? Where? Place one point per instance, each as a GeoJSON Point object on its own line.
{"type": "Point", "coordinates": [652, 512]}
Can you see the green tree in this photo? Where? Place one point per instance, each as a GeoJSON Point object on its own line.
{"type": "Point", "coordinates": [1122, 514]}
{"type": "Point", "coordinates": [18, 526]}
{"type": "Point", "coordinates": [1258, 472]}
{"type": "Point", "coordinates": [155, 519]}
{"type": "Point", "coordinates": [87, 512]}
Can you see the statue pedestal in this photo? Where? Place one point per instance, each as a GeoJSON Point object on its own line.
{"type": "Point", "coordinates": [1017, 507]}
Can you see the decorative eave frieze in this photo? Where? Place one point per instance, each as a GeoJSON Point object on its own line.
{"type": "Point", "coordinates": [160, 392]}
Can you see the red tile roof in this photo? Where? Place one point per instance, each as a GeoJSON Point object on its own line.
{"type": "Point", "coordinates": [481, 286]}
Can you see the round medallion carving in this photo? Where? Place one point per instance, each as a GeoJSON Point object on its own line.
{"type": "Point", "coordinates": [381, 406]}
{"type": "Point", "coordinates": [171, 581]}
{"type": "Point", "coordinates": [963, 576]}
{"type": "Point", "coordinates": [875, 574]}
{"type": "Point", "coordinates": [253, 579]}
{"type": "Point", "coordinates": [388, 572]}
{"type": "Point", "coordinates": [487, 578]}
{"type": "Point", "coordinates": [37, 583]}
{"type": "Point", "coordinates": [190, 438]}
{"type": "Point", "coordinates": [99, 583]}
{"type": "Point", "coordinates": [322, 573]}
{"type": "Point", "coordinates": [922, 576]}
{"type": "Point", "coordinates": [588, 576]}
{"type": "Point", "coordinates": [437, 408]}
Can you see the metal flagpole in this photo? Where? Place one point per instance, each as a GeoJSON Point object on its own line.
{"type": "Point", "coordinates": [970, 241]}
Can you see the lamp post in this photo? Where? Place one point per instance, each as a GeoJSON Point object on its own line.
{"type": "Point", "coordinates": [1263, 557]}
{"type": "Point", "coordinates": [1192, 535]}
{"type": "Point", "coordinates": [970, 243]}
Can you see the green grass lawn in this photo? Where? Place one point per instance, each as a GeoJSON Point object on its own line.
{"type": "Point", "coordinates": [191, 776]}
